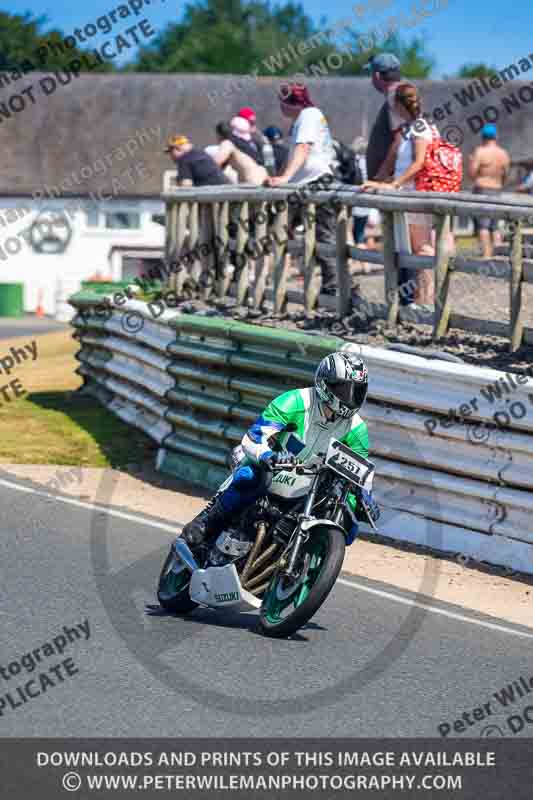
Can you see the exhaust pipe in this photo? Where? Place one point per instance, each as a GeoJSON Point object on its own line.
{"type": "Point", "coordinates": [261, 533]}
{"type": "Point", "coordinates": [252, 583]}
{"type": "Point", "coordinates": [183, 552]}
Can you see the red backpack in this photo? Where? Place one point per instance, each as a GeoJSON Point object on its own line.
{"type": "Point", "coordinates": [442, 170]}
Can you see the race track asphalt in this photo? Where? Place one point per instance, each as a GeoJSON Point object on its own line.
{"type": "Point", "coordinates": [29, 325]}
{"type": "Point", "coordinates": [369, 664]}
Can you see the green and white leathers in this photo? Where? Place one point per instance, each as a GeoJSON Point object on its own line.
{"type": "Point", "coordinates": [296, 419]}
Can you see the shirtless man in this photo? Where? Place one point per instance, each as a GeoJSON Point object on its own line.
{"type": "Point", "coordinates": [489, 168]}
{"type": "Point", "coordinates": [228, 154]}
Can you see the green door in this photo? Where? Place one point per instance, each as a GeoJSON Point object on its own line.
{"type": "Point", "coordinates": [11, 299]}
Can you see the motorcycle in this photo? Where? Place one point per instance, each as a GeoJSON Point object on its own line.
{"type": "Point", "coordinates": [284, 554]}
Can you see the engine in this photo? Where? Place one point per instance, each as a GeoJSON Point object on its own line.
{"type": "Point", "coordinates": [235, 543]}
{"type": "Point", "coordinates": [231, 545]}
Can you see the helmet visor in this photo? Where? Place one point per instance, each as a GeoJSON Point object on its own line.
{"type": "Point", "coordinates": [350, 393]}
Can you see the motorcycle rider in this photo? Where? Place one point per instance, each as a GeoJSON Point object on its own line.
{"type": "Point", "coordinates": [301, 421]}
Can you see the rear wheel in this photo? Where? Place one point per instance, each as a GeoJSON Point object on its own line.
{"type": "Point", "coordinates": [290, 603]}
{"type": "Point", "coordinates": [173, 586]}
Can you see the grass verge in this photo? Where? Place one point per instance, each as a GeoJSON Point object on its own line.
{"type": "Point", "coordinates": [51, 424]}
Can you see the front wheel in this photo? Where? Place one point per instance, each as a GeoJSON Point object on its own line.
{"type": "Point", "coordinates": [173, 586]}
{"type": "Point", "coordinates": [290, 603]}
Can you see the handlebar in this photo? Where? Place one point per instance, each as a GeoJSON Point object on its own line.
{"type": "Point", "coordinates": [300, 469]}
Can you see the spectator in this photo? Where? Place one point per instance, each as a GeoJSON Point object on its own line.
{"type": "Point", "coordinates": [385, 75]}
{"type": "Point", "coordinates": [409, 147]}
{"type": "Point", "coordinates": [380, 155]}
{"type": "Point", "coordinates": [371, 230]}
{"type": "Point", "coordinates": [310, 158]}
{"type": "Point", "coordinates": [281, 151]}
{"type": "Point", "coordinates": [489, 167]}
{"type": "Point", "coordinates": [264, 147]}
{"type": "Point", "coordinates": [195, 166]}
{"type": "Point", "coordinates": [526, 185]}
{"type": "Point", "coordinates": [360, 214]}
{"type": "Point", "coordinates": [241, 136]}
{"type": "Point", "coordinates": [365, 220]}
{"type": "Point", "coordinates": [228, 154]}
{"type": "Point", "coordinates": [212, 150]}
{"type": "Point", "coordinates": [345, 167]}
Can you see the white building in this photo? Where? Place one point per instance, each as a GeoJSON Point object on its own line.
{"type": "Point", "coordinates": [52, 246]}
{"type": "Point", "coordinates": [80, 189]}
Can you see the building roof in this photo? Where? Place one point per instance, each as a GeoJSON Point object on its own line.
{"type": "Point", "coordinates": [98, 133]}
{"type": "Point", "coordinates": [80, 132]}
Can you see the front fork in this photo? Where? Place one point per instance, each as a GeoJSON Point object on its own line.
{"type": "Point", "coordinates": [302, 536]}
{"type": "Point", "coordinates": [288, 570]}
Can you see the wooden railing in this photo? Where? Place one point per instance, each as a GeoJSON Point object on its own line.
{"type": "Point", "coordinates": [198, 240]}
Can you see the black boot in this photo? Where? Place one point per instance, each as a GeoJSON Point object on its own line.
{"type": "Point", "coordinates": [207, 523]}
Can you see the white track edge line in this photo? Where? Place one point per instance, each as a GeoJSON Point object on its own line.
{"type": "Point", "coordinates": [172, 529]}
{"type": "Point", "coordinates": [435, 609]}
{"type": "Point", "coordinates": [93, 507]}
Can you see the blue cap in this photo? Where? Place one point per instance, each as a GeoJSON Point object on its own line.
{"type": "Point", "coordinates": [489, 131]}
{"type": "Point", "coordinates": [272, 133]}
{"type": "Point", "coordinates": [383, 62]}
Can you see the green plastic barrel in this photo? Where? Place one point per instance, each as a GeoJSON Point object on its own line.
{"type": "Point", "coordinates": [11, 299]}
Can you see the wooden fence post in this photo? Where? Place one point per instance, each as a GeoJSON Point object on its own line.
{"type": "Point", "coordinates": [311, 269]}
{"type": "Point", "coordinates": [240, 255]}
{"type": "Point", "coordinates": [344, 282]}
{"type": "Point", "coordinates": [223, 279]}
{"type": "Point", "coordinates": [194, 242]}
{"type": "Point", "coordinates": [442, 277]}
{"type": "Point", "coordinates": [183, 218]}
{"type": "Point", "coordinates": [264, 261]}
{"type": "Point", "coordinates": [171, 220]}
{"type": "Point", "coordinates": [516, 326]}
{"type": "Point", "coordinates": [202, 241]}
{"type": "Point", "coordinates": [279, 244]}
{"type": "Point", "coordinates": [205, 215]}
{"type": "Point", "coordinates": [212, 211]}
{"type": "Point", "coordinates": [391, 268]}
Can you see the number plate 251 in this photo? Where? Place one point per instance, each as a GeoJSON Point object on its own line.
{"type": "Point", "coordinates": [350, 465]}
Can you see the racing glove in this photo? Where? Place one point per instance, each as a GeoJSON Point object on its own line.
{"type": "Point", "coordinates": [373, 508]}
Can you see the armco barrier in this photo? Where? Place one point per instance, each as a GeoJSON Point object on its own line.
{"type": "Point", "coordinates": [195, 383]}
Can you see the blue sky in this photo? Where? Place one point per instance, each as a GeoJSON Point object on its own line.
{"type": "Point", "coordinates": [459, 32]}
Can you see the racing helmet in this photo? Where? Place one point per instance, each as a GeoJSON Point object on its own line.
{"type": "Point", "coordinates": [341, 383]}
